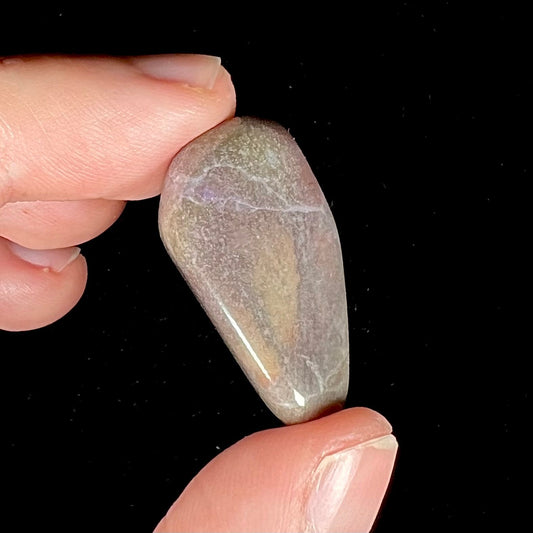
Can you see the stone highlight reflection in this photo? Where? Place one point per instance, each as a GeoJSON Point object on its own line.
{"type": "Point", "coordinates": [248, 227]}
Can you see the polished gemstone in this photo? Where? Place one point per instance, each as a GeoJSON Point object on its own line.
{"type": "Point", "coordinates": [248, 227]}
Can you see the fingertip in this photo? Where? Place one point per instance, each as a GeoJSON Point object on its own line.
{"type": "Point", "coordinates": [225, 90]}
{"type": "Point", "coordinates": [329, 474]}
{"type": "Point", "coordinates": [110, 128]}
{"type": "Point", "coordinates": [35, 295]}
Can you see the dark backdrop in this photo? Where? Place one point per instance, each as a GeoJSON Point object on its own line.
{"type": "Point", "coordinates": [416, 118]}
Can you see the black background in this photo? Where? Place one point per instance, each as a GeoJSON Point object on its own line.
{"type": "Point", "coordinates": [416, 118]}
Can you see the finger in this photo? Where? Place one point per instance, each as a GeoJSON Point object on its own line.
{"type": "Point", "coordinates": [57, 224]}
{"type": "Point", "coordinates": [85, 128]}
{"type": "Point", "coordinates": [326, 475]}
{"type": "Point", "coordinates": [38, 286]}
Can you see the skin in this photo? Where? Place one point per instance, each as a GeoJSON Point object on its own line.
{"type": "Point", "coordinates": [78, 138]}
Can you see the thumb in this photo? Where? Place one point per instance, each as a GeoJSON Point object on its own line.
{"type": "Point", "coordinates": [328, 475]}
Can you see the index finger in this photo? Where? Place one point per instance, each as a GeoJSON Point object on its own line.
{"type": "Point", "coordinates": [85, 128]}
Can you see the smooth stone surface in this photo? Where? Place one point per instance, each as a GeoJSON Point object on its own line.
{"type": "Point", "coordinates": [247, 225]}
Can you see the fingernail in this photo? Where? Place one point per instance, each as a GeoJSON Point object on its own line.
{"type": "Point", "coordinates": [348, 487]}
{"type": "Point", "coordinates": [193, 69]}
{"type": "Point", "coordinates": [55, 260]}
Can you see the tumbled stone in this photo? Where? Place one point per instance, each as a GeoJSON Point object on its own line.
{"type": "Point", "coordinates": [247, 225]}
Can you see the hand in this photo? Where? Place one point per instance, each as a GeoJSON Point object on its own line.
{"type": "Point", "coordinates": [79, 137]}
